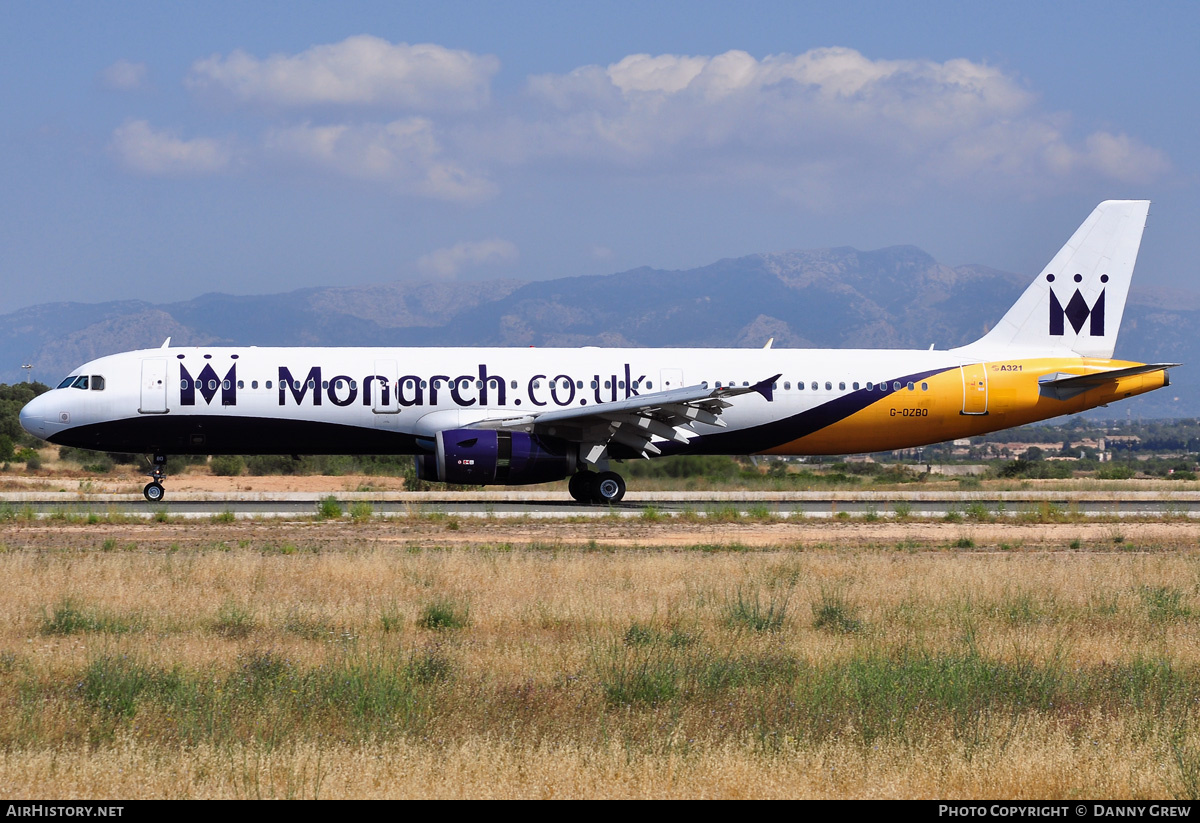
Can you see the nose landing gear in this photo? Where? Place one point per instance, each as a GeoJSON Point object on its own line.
{"type": "Point", "coordinates": [154, 491]}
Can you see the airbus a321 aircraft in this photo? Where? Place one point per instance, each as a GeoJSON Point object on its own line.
{"type": "Point", "coordinates": [519, 416]}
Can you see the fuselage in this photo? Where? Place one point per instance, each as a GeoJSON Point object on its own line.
{"type": "Point", "coordinates": [393, 401]}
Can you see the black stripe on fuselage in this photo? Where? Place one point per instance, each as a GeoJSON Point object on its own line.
{"type": "Point", "coordinates": [197, 434]}
{"type": "Point", "coordinates": [785, 430]}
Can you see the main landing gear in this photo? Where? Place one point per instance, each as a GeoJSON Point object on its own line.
{"type": "Point", "coordinates": [591, 487]}
{"type": "Point", "coordinates": [154, 491]}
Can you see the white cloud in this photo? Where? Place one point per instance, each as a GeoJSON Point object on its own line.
{"type": "Point", "coordinates": [404, 154]}
{"type": "Point", "coordinates": [125, 75]}
{"type": "Point", "coordinates": [142, 149]}
{"type": "Point", "coordinates": [447, 263]}
{"type": "Point", "coordinates": [1123, 158]}
{"type": "Point", "coordinates": [826, 128]}
{"type": "Point", "coordinates": [361, 71]}
{"type": "Point", "coordinates": [812, 125]}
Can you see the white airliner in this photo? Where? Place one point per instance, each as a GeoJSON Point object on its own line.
{"type": "Point", "coordinates": [519, 416]}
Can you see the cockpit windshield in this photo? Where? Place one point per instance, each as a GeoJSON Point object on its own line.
{"type": "Point", "coordinates": [81, 381]}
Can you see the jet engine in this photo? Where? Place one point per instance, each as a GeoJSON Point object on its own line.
{"type": "Point", "coordinates": [490, 457]}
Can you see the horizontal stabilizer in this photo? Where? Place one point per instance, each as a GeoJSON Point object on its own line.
{"type": "Point", "coordinates": [1063, 386]}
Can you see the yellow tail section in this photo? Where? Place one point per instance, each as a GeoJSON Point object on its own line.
{"type": "Point", "coordinates": [971, 400]}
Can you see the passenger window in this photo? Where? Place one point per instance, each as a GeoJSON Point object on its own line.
{"type": "Point", "coordinates": [478, 384]}
{"type": "Point", "coordinates": [513, 384]}
{"type": "Point", "coordinates": [312, 384]}
{"type": "Point", "coordinates": [324, 384]}
{"type": "Point", "coordinates": [924, 387]}
{"type": "Point", "coordinates": [212, 385]}
{"type": "Point", "coordinates": [870, 387]}
{"type": "Point", "coordinates": [608, 384]}
{"type": "Point", "coordinates": [183, 384]}
{"type": "Point", "coordinates": [786, 385]}
{"type": "Point", "coordinates": [649, 384]}
{"type": "Point", "coordinates": [814, 385]}
{"type": "Point", "coordinates": [828, 386]}
{"type": "Point", "coordinates": [896, 386]}
{"type": "Point", "coordinates": [268, 384]}
{"type": "Point", "coordinates": [241, 384]}
{"type": "Point", "coordinates": [856, 387]}
{"type": "Point", "coordinates": [254, 384]}
{"type": "Point", "coordinates": [595, 385]}
{"type": "Point", "coordinates": [911, 387]}
{"type": "Point", "coordinates": [97, 383]}
{"type": "Point", "coordinates": [841, 386]}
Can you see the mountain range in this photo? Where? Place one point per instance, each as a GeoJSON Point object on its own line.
{"type": "Point", "coordinates": [897, 297]}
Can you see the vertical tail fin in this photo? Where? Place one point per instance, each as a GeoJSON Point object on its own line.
{"type": "Point", "coordinates": [1075, 305]}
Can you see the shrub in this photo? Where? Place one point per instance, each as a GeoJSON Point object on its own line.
{"type": "Point", "coordinates": [329, 508]}
{"type": "Point", "coordinates": [227, 465]}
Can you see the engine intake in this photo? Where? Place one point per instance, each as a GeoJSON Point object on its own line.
{"type": "Point", "coordinates": [490, 457]}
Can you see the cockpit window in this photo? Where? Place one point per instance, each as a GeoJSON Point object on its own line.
{"type": "Point", "coordinates": [97, 382]}
{"type": "Point", "coordinates": [66, 382]}
{"type": "Point", "coordinates": [81, 382]}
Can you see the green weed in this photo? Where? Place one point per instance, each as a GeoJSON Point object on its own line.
{"type": "Point", "coordinates": [234, 620]}
{"type": "Point", "coordinates": [743, 611]}
{"type": "Point", "coordinates": [833, 612]}
{"type": "Point", "coordinates": [444, 614]}
{"type": "Point", "coordinates": [69, 617]}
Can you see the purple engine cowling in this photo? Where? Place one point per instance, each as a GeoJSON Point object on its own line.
{"type": "Point", "coordinates": [488, 457]}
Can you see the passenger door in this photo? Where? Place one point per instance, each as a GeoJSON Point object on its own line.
{"type": "Point", "coordinates": [975, 397]}
{"type": "Point", "coordinates": [154, 386]}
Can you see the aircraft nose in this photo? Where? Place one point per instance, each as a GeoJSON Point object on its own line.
{"type": "Point", "coordinates": [33, 417]}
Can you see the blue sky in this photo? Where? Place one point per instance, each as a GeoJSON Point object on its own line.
{"type": "Point", "coordinates": [164, 150]}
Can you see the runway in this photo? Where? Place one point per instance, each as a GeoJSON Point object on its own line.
{"type": "Point", "coordinates": [542, 504]}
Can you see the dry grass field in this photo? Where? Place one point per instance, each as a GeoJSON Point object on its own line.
{"type": "Point", "coordinates": [420, 657]}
